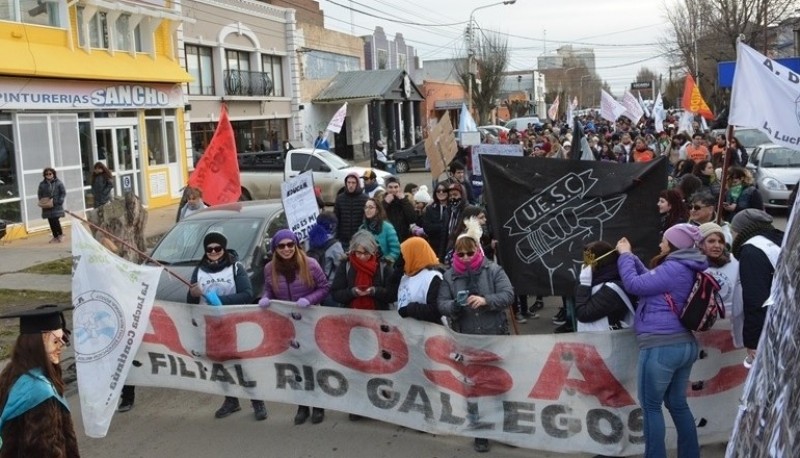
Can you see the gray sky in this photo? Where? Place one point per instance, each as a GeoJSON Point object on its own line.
{"type": "Point", "coordinates": [623, 33]}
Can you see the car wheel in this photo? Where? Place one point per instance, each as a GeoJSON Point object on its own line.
{"type": "Point", "coordinates": [245, 195]}
{"type": "Point", "coordinates": [401, 166]}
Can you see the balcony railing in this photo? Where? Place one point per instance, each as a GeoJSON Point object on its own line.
{"type": "Point", "coordinates": [239, 82]}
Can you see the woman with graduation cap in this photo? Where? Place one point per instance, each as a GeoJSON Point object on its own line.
{"type": "Point", "coordinates": [35, 418]}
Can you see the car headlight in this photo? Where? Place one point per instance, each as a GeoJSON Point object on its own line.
{"type": "Point", "coordinates": [772, 184]}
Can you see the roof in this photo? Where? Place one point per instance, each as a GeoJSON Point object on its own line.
{"type": "Point", "coordinates": [366, 85]}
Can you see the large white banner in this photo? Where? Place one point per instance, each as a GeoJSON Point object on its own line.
{"type": "Point", "coordinates": [610, 109]}
{"type": "Point", "coordinates": [498, 149]}
{"type": "Point", "coordinates": [564, 393]}
{"type": "Point", "coordinates": [765, 96]}
{"type": "Point", "coordinates": [112, 298]}
{"type": "Point", "coordinates": [633, 110]}
{"type": "Point", "coordinates": [300, 204]}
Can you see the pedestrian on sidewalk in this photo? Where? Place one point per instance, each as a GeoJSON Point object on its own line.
{"type": "Point", "coordinates": [52, 195]}
{"type": "Point", "coordinates": [34, 414]}
{"type": "Point", "coordinates": [102, 184]}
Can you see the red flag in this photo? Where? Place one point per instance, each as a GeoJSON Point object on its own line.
{"type": "Point", "coordinates": [693, 100]}
{"type": "Point", "coordinates": [217, 172]}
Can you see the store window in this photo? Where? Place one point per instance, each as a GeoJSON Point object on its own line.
{"type": "Point", "coordinates": [260, 135]}
{"type": "Point", "coordinates": [32, 12]}
{"type": "Point", "coordinates": [9, 181]}
{"type": "Point", "coordinates": [98, 30]}
{"type": "Point", "coordinates": [274, 66]}
{"type": "Point", "coordinates": [125, 38]}
{"type": "Point", "coordinates": [201, 67]}
{"type": "Point", "coordinates": [161, 138]}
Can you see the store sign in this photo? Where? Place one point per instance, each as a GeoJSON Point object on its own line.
{"type": "Point", "coordinates": [28, 94]}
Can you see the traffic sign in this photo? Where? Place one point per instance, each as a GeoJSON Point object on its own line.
{"type": "Point", "coordinates": [642, 85]}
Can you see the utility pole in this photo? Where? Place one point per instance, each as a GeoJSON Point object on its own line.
{"type": "Point", "coordinates": [471, 51]}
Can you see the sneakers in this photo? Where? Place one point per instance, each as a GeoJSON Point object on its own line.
{"type": "Point", "coordinates": [230, 406]}
{"type": "Point", "coordinates": [55, 240]}
{"type": "Point", "coordinates": [564, 328]}
{"type": "Point", "coordinates": [561, 316]}
{"type": "Point", "coordinates": [521, 319]}
{"type": "Point", "coordinates": [259, 410]}
{"type": "Point", "coordinates": [481, 445]}
{"type": "Point", "coordinates": [60, 238]}
{"type": "Point", "coordinates": [538, 305]}
{"type": "Point", "coordinates": [125, 405]}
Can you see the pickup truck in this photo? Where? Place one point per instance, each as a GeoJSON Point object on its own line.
{"type": "Point", "coordinates": [329, 171]}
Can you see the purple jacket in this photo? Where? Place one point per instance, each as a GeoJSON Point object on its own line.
{"type": "Point", "coordinates": [295, 290]}
{"type": "Point", "coordinates": [674, 276]}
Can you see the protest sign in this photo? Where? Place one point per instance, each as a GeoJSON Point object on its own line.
{"type": "Point", "coordinates": [498, 149]}
{"type": "Point", "coordinates": [300, 204]}
{"type": "Point", "coordinates": [440, 146]}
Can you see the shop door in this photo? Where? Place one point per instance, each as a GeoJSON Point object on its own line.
{"type": "Point", "coordinates": [117, 146]}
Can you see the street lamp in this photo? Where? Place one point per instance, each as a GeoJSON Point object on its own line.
{"type": "Point", "coordinates": [471, 52]}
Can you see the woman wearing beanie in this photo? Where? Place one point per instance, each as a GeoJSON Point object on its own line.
{"type": "Point", "coordinates": [475, 293]}
{"type": "Point", "coordinates": [323, 245]}
{"type": "Point", "coordinates": [667, 350]}
{"type": "Point", "coordinates": [292, 276]}
{"type": "Point", "coordinates": [725, 269]}
{"type": "Point", "coordinates": [418, 294]}
{"type": "Point", "coordinates": [220, 280]}
{"type": "Point", "coordinates": [756, 244]}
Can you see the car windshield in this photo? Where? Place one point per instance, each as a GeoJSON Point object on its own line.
{"type": "Point", "coordinates": [781, 157]}
{"type": "Point", "coordinates": [750, 138]}
{"type": "Point", "coordinates": [334, 160]}
{"type": "Point", "coordinates": [183, 244]}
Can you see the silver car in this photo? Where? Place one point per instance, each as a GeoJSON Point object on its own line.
{"type": "Point", "coordinates": [776, 170]}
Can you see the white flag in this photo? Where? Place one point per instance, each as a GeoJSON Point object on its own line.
{"type": "Point", "coordinates": [337, 120]}
{"type": "Point", "coordinates": [113, 298]}
{"type": "Point", "coordinates": [571, 109]}
{"type": "Point", "coordinates": [643, 105]}
{"type": "Point", "coordinates": [764, 96]}
{"type": "Point", "coordinates": [633, 110]}
{"type": "Point", "coordinates": [610, 109]}
{"type": "Point", "coordinates": [685, 123]}
{"type": "Point", "coordinates": [658, 113]}
{"type": "Point", "coordinates": [552, 112]}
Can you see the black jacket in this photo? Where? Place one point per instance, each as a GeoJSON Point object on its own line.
{"type": "Point", "coordinates": [349, 211]}
{"type": "Point", "coordinates": [435, 222]}
{"type": "Point", "coordinates": [604, 303]}
{"type": "Point", "coordinates": [756, 273]}
{"type": "Point", "coordinates": [400, 212]}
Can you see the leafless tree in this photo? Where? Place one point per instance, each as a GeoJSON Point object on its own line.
{"type": "Point", "coordinates": [491, 56]}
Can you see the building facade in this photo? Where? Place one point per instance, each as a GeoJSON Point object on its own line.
{"type": "Point", "coordinates": [91, 81]}
{"type": "Point", "coordinates": [381, 53]}
{"type": "Point", "coordinates": [241, 54]}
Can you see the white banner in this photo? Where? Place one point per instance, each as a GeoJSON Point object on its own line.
{"type": "Point", "coordinates": [566, 393]}
{"type": "Point", "coordinates": [643, 105]}
{"type": "Point", "coordinates": [337, 121]}
{"type": "Point", "coordinates": [112, 298]}
{"type": "Point", "coordinates": [658, 113]}
{"type": "Point", "coordinates": [552, 112]}
{"type": "Point", "coordinates": [499, 149]}
{"type": "Point", "coordinates": [610, 109]}
{"type": "Point", "coordinates": [300, 204]}
{"type": "Point", "coordinates": [633, 110]}
{"type": "Point", "coordinates": [764, 96]}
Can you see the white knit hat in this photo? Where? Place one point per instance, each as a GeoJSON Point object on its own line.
{"type": "Point", "coordinates": [423, 195]}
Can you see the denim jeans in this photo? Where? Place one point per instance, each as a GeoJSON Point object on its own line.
{"type": "Point", "coordinates": [663, 378]}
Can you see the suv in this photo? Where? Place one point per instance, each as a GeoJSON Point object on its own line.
{"type": "Point", "coordinates": [522, 123]}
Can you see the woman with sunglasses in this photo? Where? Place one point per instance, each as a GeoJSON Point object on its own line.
{"type": "Point", "coordinates": [385, 235]}
{"type": "Point", "coordinates": [220, 280]}
{"type": "Point", "coordinates": [475, 293]}
{"type": "Point", "coordinates": [436, 220]}
{"type": "Point", "coordinates": [34, 414]}
{"type": "Point", "coordinates": [293, 276]}
{"type": "Point", "coordinates": [53, 189]}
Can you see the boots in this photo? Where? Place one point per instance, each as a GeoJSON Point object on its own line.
{"type": "Point", "coordinates": [259, 409]}
{"type": "Point", "coordinates": [230, 406]}
{"type": "Point", "coordinates": [317, 415]}
{"type": "Point", "coordinates": [302, 415]}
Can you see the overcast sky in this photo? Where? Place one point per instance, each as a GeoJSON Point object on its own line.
{"type": "Point", "coordinates": [623, 33]}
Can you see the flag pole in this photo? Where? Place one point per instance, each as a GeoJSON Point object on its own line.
{"type": "Point", "coordinates": [724, 175]}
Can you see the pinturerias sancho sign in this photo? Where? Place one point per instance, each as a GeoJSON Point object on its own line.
{"type": "Point", "coordinates": [545, 211]}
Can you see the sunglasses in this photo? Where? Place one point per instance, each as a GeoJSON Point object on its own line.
{"type": "Point", "coordinates": [214, 249]}
{"type": "Point", "coordinates": [699, 207]}
{"type": "Point", "coordinates": [465, 254]}
{"type": "Point", "coordinates": [440, 191]}
{"type": "Point", "coordinates": [282, 246]}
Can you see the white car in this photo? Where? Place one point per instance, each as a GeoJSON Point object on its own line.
{"type": "Point", "coordinates": [776, 171]}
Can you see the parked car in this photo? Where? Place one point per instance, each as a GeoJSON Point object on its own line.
{"type": "Point", "coordinates": [751, 138]}
{"type": "Point", "coordinates": [776, 170]}
{"type": "Point", "coordinates": [410, 158]}
{"type": "Point", "coordinates": [493, 130]}
{"type": "Point", "coordinates": [248, 226]}
{"type": "Point", "coordinates": [522, 123]}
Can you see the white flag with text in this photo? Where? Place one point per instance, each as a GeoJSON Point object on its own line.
{"type": "Point", "coordinates": [610, 109]}
{"type": "Point", "coordinates": [633, 110]}
{"type": "Point", "coordinates": [765, 96]}
{"type": "Point", "coordinates": [112, 298]}
{"type": "Point", "coordinates": [337, 120]}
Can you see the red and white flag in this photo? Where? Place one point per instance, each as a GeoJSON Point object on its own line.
{"type": "Point", "coordinates": [552, 112]}
{"type": "Point", "coordinates": [217, 172]}
{"type": "Point", "coordinates": [610, 109]}
{"type": "Point", "coordinates": [337, 120]}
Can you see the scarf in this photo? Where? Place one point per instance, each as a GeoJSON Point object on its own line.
{"type": "Point", "coordinates": [365, 272]}
{"type": "Point", "coordinates": [735, 192]}
{"type": "Point", "coordinates": [462, 267]}
{"type": "Point", "coordinates": [373, 225]}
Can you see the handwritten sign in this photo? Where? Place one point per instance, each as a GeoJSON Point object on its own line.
{"type": "Point", "coordinates": [503, 150]}
{"type": "Point", "coordinates": [300, 204]}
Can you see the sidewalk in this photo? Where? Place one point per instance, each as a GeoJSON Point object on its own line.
{"type": "Point", "coordinates": [20, 254]}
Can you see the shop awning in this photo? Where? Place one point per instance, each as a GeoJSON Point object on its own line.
{"type": "Point", "coordinates": [369, 85]}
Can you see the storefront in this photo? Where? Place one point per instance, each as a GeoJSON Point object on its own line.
{"type": "Point", "coordinates": [132, 127]}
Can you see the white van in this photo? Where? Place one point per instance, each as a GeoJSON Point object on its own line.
{"type": "Point", "coordinates": [522, 123]}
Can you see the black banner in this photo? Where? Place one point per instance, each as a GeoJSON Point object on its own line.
{"type": "Point", "coordinates": [544, 211]}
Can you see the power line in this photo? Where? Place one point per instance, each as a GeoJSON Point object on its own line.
{"type": "Point", "coordinates": [392, 19]}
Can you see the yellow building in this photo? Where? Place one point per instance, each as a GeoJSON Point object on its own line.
{"type": "Point", "coordinates": [86, 81]}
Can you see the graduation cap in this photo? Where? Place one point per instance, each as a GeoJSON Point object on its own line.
{"type": "Point", "coordinates": [41, 319]}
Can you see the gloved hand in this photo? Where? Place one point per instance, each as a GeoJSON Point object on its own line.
{"type": "Point", "coordinates": [418, 231]}
{"type": "Point", "coordinates": [403, 311]}
{"type": "Point", "coordinates": [586, 276]}
{"type": "Point", "coordinates": [303, 302]}
{"type": "Point", "coordinates": [212, 298]}
{"type": "Point", "coordinates": [263, 302]}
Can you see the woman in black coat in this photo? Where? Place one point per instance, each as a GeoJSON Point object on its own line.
{"type": "Point", "coordinates": [51, 187]}
{"type": "Point", "coordinates": [436, 221]}
{"type": "Point", "coordinates": [102, 184]}
{"type": "Point", "coordinates": [598, 293]}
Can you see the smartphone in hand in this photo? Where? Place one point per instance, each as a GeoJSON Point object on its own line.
{"type": "Point", "coordinates": [461, 297]}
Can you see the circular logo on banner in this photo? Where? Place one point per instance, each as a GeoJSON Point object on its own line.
{"type": "Point", "coordinates": [99, 325]}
